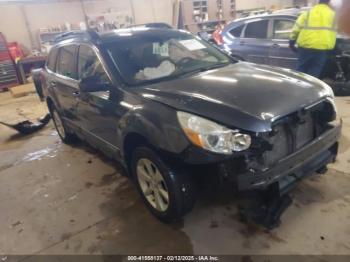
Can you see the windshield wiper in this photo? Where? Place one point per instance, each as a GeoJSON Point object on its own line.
{"type": "Point", "coordinates": [204, 69]}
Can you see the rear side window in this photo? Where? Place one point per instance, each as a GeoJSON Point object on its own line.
{"type": "Point", "coordinates": [51, 62]}
{"type": "Point", "coordinates": [282, 29]}
{"type": "Point", "coordinates": [66, 61]}
{"type": "Point", "coordinates": [237, 31]}
{"type": "Point", "coordinates": [257, 29]}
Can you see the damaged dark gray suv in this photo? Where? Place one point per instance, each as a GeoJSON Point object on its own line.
{"type": "Point", "coordinates": [163, 102]}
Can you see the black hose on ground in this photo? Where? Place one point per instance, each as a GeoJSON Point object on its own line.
{"type": "Point", "coordinates": [27, 127]}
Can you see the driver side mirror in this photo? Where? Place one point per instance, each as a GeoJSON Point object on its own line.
{"type": "Point", "coordinates": [93, 84]}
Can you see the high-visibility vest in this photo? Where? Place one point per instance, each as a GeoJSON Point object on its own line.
{"type": "Point", "coordinates": [316, 28]}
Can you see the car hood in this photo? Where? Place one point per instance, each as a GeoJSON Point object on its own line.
{"type": "Point", "coordinates": [242, 95]}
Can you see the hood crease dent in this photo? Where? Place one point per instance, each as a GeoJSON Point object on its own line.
{"type": "Point", "coordinates": [242, 95]}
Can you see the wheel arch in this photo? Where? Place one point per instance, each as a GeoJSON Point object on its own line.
{"type": "Point", "coordinates": [130, 143]}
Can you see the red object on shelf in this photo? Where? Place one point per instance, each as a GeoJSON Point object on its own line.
{"type": "Point", "coordinates": [15, 51]}
{"type": "Point", "coordinates": [217, 36]}
{"type": "Point", "coordinates": [8, 70]}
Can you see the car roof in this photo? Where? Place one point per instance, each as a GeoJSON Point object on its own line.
{"type": "Point", "coordinates": [273, 15]}
{"type": "Point", "coordinates": [289, 12]}
{"type": "Point", "coordinates": [137, 31]}
{"type": "Point", "coordinates": [292, 11]}
{"type": "Point", "coordinates": [114, 35]}
{"type": "Point", "coordinates": [152, 25]}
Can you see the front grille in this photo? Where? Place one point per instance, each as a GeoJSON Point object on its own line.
{"type": "Point", "coordinates": [305, 132]}
{"type": "Point", "coordinates": [296, 131]}
{"type": "Point", "coordinates": [280, 141]}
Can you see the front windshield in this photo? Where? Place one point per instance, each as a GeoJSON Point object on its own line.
{"type": "Point", "coordinates": [154, 56]}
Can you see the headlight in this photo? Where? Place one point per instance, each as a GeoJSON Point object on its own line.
{"type": "Point", "coordinates": [211, 136]}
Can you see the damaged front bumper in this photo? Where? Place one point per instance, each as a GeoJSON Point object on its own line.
{"type": "Point", "coordinates": [286, 172]}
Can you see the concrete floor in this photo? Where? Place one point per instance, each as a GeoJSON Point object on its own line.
{"type": "Point", "coordinates": [58, 199]}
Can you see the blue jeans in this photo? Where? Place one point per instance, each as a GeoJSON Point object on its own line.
{"type": "Point", "coordinates": [311, 61]}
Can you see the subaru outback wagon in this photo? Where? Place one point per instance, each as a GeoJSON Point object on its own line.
{"type": "Point", "coordinates": [163, 102]}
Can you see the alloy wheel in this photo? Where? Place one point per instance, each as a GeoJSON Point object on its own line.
{"type": "Point", "coordinates": [152, 184]}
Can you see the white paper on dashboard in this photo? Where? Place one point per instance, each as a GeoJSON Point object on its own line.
{"type": "Point", "coordinates": [192, 44]}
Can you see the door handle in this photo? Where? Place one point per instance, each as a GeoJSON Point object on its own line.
{"type": "Point", "coordinates": [52, 83]}
{"type": "Point", "coordinates": [276, 45]}
{"type": "Point", "coordinates": [242, 43]}
{"type": "Point", "coordinates": [76, 93]}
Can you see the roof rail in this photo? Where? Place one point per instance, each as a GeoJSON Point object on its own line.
{"type": "Point", "coordinates": [90, 33]}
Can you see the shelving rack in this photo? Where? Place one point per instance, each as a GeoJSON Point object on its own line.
{"type": "Point", "coordinates": [8, 72]}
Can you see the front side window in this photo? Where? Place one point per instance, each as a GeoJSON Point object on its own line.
{"type": "Point", "coordinates": [257, 29]}
{"type": "Point", "coordinates": [90, 67]}
{"type": "Point", "coordinates": [66, 61]}
{"type": "Point", "coordinates": [145, 57]}
{"type": "Point", "coordinates": [282, 29]}
{"type": "Point", "coordinates": [51, 62]}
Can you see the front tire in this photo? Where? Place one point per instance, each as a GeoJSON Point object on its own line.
{"type": "Point", "coordinates": [167, 193]}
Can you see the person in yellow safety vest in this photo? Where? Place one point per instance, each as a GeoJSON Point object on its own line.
{"type": "Point", "coordinates": [315, 35]}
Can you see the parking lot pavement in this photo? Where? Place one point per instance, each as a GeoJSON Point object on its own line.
{"type": "Point", "coordinates": [59, 199]}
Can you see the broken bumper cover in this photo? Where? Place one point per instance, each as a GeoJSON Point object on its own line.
{"type": "Point", "coordinates": [316, 155]}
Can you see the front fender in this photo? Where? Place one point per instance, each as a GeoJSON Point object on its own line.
{"type": "Point", "coordinates": [157, 124]}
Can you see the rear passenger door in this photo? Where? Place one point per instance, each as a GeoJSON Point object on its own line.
{"type": "Point", "coordinates": [280, 54]}
{"type": "Point", "coordinates": [255, 43]}
{"type": "Point", "coordinates": [65, 83]}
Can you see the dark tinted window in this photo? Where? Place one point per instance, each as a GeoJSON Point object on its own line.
{"type": "Point", "coordinates": [237, 31]}
{"type": "Point", "coordinates": [282, 29]}
{"type": "Point", "coordinates": [257, 29]}
{"type": "Point", "coordinates": [89, 66]}
{"type": "Point", "coordinates": [51, 62]}
{"type": "Point", "coordinates": [66, 61]}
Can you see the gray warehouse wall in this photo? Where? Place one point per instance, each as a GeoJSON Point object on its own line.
{"type": "Point", "coordinates": [251, 4]}
{"type": "Point", "coordinates": [152, 10]}
{"type": "Point", "coordinates": [21, 22]}
{"type": "Point", "coordinates": [12, 24]}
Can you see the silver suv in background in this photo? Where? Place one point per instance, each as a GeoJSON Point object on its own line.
{"type": "Point", "coordinates": [265, 40]}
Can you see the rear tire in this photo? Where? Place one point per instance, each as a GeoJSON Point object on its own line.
{"type": "Point", "coordinates": [157, 180]}
{"type": "Point", "coordinates": [66, 135]}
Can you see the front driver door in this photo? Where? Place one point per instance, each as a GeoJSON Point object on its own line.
{"type": "Point", "coordinates": [280, 54]}
{"type": "Point", "coordinates": [65, 83]}
{"type": "Point", "coordinates": [98, 110]}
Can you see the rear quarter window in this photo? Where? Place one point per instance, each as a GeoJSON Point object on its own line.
{"type": "Point", "coordinates": [237, 31]}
